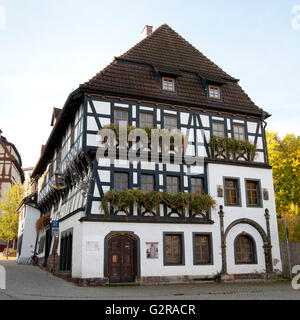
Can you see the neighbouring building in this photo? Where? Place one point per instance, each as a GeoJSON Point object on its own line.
{"type": "Point", "coordinates": [27, 185]}
{"type": "Point", "coordinates": [161, 82]}
{"type": "Point", "coordinates": [10, 165]}
{"type": "Point", "coordinates": [10, 170]}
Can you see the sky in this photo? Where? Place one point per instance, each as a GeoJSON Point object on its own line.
{"type": "Point", "coordinates": [48, 48]}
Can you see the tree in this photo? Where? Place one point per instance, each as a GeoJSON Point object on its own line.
{"type": "Point", "coordinates": [9, 219]}
{"type": "Point", "coordinates": [284, 157]}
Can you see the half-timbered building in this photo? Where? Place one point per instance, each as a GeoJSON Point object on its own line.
{"type": "Point", "coordinates": [10, 169]}
{"type": "Point", "coordinates": [161, 82]}
{"type": "Point", "coordinates": [10, 165]}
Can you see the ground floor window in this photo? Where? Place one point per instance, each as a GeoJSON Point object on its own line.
{"type": "Point", "coordinates": [173, 249]}
{"type": "Point", "coordinates": [202, 249]}
{"type": "Point", "coordinates": [66, 252]}
{"type": "Point", "coordinates": [245, 250]}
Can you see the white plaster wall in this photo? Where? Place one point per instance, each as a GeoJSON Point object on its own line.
{"type": "Point", "coordinates": [100, 107]}
{"type": "Point", "coordinates": [216, 172]}
{"type": "Point", "coordinates": [233, 268]}
{"type": "Point", "coordinates": [77, 259]}
{"type": "Point", "coordinates": [31, 215]}
{"type": "Point", "coordinates": [93, 261]}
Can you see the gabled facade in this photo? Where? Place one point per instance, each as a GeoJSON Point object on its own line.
{"type": "Point", "coordinates": [162, 82]}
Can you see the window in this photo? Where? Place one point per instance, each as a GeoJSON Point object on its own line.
{"type": "Point", "coordinates": [197, 185]}
{"type": "Point", "coordinates": [168, 84]}
{"type": "Point", "coordinates": [146, 120]}
{"type": "Point", "coordinates": [202, 249]}
{"type": "Point", "coordinates": [214, 92]}
{"type": "Point", "coordinates": [121, 181]}
{"type": "Point", "coordinates": [218, 129]}
{"type": "Point", "coordinates": [147, 182]}
{"type": "Point", "coordinates": [253, 193]}
{"type": "Point", "coordinates": [232, 192]}
{"type": "Point", "coordinates": [245, 251]}
{"type": "Point", "coordinates": [173, 249]}
{"type": "Point", "coordinates": [173, 185]}
{"type": "Point", "coordinates": [170, 122]}
{"type": "Point", "coordinates": [121, 116]}
{"type": "Point", "coordinates": [239, 132]}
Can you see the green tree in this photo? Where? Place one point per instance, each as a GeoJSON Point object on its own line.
{"type": "Point", "coordinates": [284, 156]}
{"type": "Point", "coordinates": [9, 219]}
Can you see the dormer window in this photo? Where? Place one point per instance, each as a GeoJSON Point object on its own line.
{"type": "Point", "coordinates": [168, 84]}
{"type": "Point", "coordinates": [214, 92]}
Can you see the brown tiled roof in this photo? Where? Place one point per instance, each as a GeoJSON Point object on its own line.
{"type": "Point", "coordinates": [134, 74]}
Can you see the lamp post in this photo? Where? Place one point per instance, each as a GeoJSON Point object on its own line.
{"type": "Point", "coordinates": [288, 247]}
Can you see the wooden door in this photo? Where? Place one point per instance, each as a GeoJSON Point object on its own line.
{"type": "Point", "coordinates": [121, 259]}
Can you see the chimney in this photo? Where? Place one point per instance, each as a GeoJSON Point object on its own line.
{"type": "Point", "coordinates": [146, 31]}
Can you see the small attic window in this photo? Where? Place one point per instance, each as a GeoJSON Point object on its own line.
{"type": "Point", "coordinates": [168, 84]}
{"type": "Point", "coordinates": [214, 92]}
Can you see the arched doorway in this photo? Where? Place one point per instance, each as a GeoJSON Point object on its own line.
{"type": "Point", "coordinates": [121, 257]}
{"type": "Point", "coordinates": [266, 242]}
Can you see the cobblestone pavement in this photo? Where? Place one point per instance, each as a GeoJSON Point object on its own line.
{"type": "Point", "coordinates": [29, 282]}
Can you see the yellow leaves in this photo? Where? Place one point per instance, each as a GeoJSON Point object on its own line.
{"type": "Point", "coordinates": [10, 217]}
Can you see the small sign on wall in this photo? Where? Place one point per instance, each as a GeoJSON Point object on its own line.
{"type": "Point", "coordinates": [266, 194]}
{"type": "Point", "coordinates": [152, 250]}
{"type": "Point", "coordinates": [92, 246]}
{"type": "Point", "coordinates": [220, 191]}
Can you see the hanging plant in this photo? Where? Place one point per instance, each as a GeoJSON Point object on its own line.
{"type": "Point", "coordinates": [151, 200]}
{"type": "Point", "coordinates": [42, 222]}
{"type": "Point", "coordinates": [178, 202]}
{"type": "Point", "coordinates": [231, 148]}
{"type": "Point", "coordinates": [201, 204]}
{"type": "Point", "coordinates": [110, 197]}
